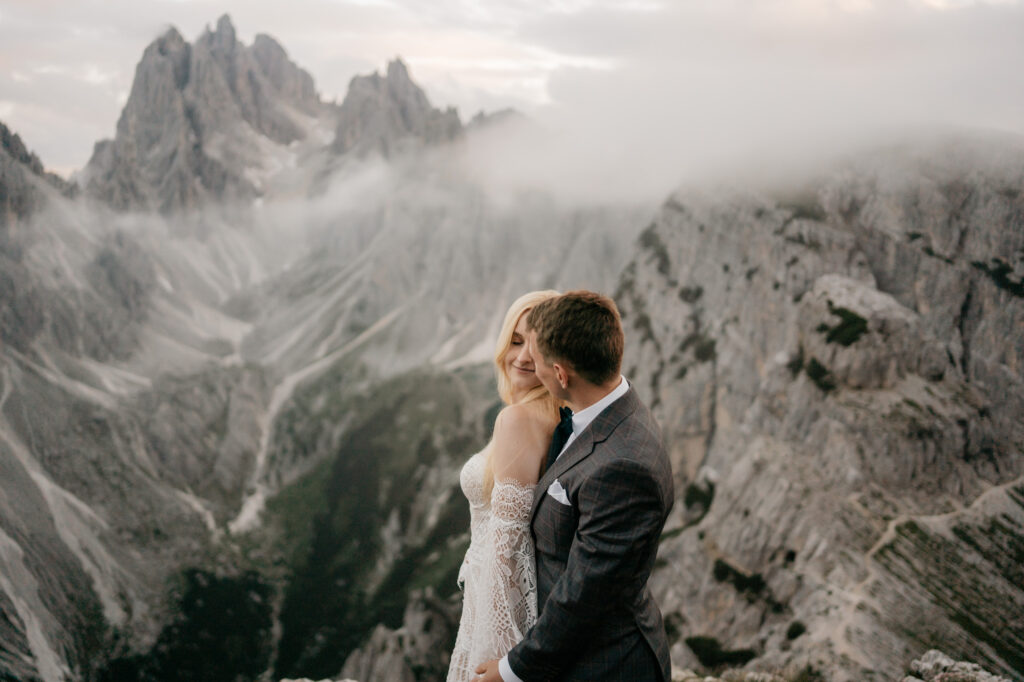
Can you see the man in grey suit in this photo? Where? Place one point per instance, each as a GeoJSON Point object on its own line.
{"type": "Point", "coordinates": [598, 510]}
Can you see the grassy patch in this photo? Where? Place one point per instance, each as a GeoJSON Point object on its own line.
{"type": "Point", "coordinates": [743, 582]}
{"type": "Point", "coordinates": [820, 375]}
{"type": "Point", "coordinates": [807, 674]}
{"type": "Point", "coordinates": [795, 629]}
{"type": "Point", "coordinates": [999, 272]}
{"type": "Point", "coordinates": [296, 505]}
{"type": "Point", "coordinates": [796, 363]}
{"type": "Point", "coordinates": [691, 294]}
{"type": "Point", "coordinates": [642, 324]}
{"type": "Point", "coordinates": [934, 254]}
{"type": "Point", "coordinates": [651, 241]}
{"type": "Point", "coordinates": [674, 626]}
{"type": "Point", "coordinates": [850, 327]}
{"type": "Point", "coordinates": [704, 350]}
{"type": "Point", "coordinates": [669, 534]}
{"type": "Point", "coordinates": [699, 496]}
{"type": "Point", "coordinates": [223, 632]}
{"type": "Point", "coordinates": [804, 205]}
{"type": "Point", "coordinates": [703, 346]}
{"type": "Point", "coordinates": [710, 653]}
{"type": "Point", "coordinates": [333, 519]}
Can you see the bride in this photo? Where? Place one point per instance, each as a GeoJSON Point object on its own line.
{"type": "Point", "coordinates": [498, 577]}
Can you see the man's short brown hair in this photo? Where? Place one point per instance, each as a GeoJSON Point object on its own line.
{"type": "Point", "coordinates": [581, 329]}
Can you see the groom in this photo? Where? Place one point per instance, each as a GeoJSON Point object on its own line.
{"type": "Point", "coordinates": [598, 510]}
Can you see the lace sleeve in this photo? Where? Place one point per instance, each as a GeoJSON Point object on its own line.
{"type": "Point", "coordinates": [510, 588]}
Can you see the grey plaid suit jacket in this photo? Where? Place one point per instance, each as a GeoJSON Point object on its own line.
{"type": "Point", "coordinates": [598, 621]}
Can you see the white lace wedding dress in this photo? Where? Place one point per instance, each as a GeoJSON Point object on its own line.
{"type": "Point", "coordinates": [498, 576]}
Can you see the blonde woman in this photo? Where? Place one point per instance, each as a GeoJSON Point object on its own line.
{"type": "Point", "coordinates": [498, 576]}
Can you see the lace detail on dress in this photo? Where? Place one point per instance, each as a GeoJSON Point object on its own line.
{"type": "Point", "coordinates": [498, 577]}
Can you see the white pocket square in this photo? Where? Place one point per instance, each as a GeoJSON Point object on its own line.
{"type": "Point", "coordinates": [556, 491]}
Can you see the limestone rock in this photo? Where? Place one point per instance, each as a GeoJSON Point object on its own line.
{"type": "Point", "coordinates": [845, 359]}
{"type": "Point", "coordinates": [387, 114]}
{"type": "Point", "coordinates": [482, 120]}
{"type": "Point", "coordinates": [23, 185]}
{"type": "Point", "coordinates": [199, 120]}
{"type": "Point", "coordinates": [421, 644]}
{"type": "Point", "coordinates": [25, 188]}
{"type": "Point", "coordinates": [936, 666]}
{"type": "Point", "coordinates": [293, 83]}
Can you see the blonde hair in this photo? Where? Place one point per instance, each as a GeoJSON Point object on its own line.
{"type": "Point", "coordinates": [546, 401]}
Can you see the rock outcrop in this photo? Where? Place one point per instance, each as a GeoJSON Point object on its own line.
{"type": "Point", "coordinates": [201, 122]}
{"type": "Point", "coordinates": [838, 374]}
{"type": "Point", "coordinates": [936, 666]}
{"type": "Point", "coordinates": [23, 184]}
{"type": "Point", "coordinates": [390, 114]}
{"type": "Point", "coordinates": [193, 367]}
{"type": "Point", "coordinates": [414, 652]}
{"type": "Point", "coordinates": [270, 414]}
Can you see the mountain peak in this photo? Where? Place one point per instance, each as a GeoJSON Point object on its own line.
{"type": "Point", "coordinates": [169, 41]}
{"type": "Point", "coordinates": [382, 114]}
{"type": "Point", "coordinates": [11, 143]}
{"type": "Point", "coordinates": [398, 71]}
{"type": "Point", "coordinates": [225, 26]}
{"type": "Point", "coordinates": [224, 36]}
{"type": "Point", "coordinates": [188, 129]}
{"type": "Point", "coordinates": [19, 196]}
{"type": "Point", "coordinates": [264, 42]}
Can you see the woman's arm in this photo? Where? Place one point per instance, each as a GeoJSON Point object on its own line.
{"type": "Point", "coordinates": [510, 591]}
{"type": "Point", "coordinates": [520, 443]}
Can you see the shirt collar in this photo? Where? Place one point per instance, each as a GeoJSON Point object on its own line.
{"type": "Point", "coordinates": [582, 419]}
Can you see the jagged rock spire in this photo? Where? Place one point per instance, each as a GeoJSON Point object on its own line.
{"type": "Point", "coordinates": [188, 131]}
{"type": "Point", "coordinates": [385, 113]}
{"type": "Point", "coordinates": [224, 36]}
{"type": "Point", "coordinates": [19, 194]}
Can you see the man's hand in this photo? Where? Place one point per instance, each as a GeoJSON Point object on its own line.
{"type": "Point", "coordinates": [488, 672]}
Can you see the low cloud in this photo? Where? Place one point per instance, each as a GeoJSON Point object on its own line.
{"type": "Point", "coordinates": [633, 96]}
{"type": "Point", "coordinates": [701, 92]}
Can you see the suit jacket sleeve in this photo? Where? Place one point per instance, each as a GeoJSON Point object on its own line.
{"type": "Point", "coordinates": [621, 515]}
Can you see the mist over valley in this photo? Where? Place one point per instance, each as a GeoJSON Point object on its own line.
{"type": "Point", "coordinates": [246, 349]}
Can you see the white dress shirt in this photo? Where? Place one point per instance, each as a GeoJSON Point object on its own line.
{"type": "Point", "coordinates": [580, 421]}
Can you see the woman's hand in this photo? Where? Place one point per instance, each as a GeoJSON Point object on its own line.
{"type": "Point", "coordinates": [488, 672]}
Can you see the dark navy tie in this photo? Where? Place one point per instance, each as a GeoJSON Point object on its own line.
{"type": "Point", "coordinates": [562, 433]}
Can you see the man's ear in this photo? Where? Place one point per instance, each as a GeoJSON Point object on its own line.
{"type": "Point", "coordinates": [561, 375]}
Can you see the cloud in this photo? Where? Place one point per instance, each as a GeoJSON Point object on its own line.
{"type": "Point", "coordinates": [636, 91]}
{"type": "Point", "coordinates": [703, 90]}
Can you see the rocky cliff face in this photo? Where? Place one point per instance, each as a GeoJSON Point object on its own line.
{"type": "Point", "coordinates": [203, 122]}
{"type": "Point", "coordinates": [251, 419]}
{"type": "Point", "coordinates": [218, 121]}
{"type": "Point", "coordinates": [389, 114]}
{"type": "Point", "coordinates": [23, 186]}
{"type": "Point", "coordinates": [845, 429]}
{"type": "Point", "coordinates": [837, 371]}
{"type": "Point", "coordinates": [188, 403]}
{"type": "Point", "coordinates": [410, 652]}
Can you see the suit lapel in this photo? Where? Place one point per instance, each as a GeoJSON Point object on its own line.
{"type": "Point", "coordinates": [583, 446]}
{"type": "Point", "coordinates": [578, 450]}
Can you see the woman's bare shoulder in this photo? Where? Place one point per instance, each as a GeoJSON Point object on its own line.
{"type": "Point", "coordinates": [520, 414]}
{"type": "Point", "coordinates": [525, 418]}
{"type": "Point", "coordinates": [521, 436]}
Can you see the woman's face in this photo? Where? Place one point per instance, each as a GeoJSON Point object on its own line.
{"type": "Point", "coordinates": [519, 363]}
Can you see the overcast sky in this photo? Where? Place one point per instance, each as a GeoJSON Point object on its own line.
{"type": "Point", "coordinates": [637, 78]}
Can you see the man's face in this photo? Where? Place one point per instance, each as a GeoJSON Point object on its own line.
{"type": "Point", "coordinates": [544, 371]}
